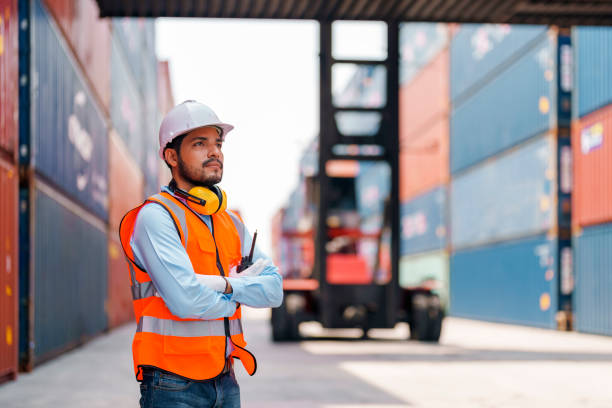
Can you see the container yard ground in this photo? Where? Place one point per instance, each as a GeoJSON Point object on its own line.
{"type": "Point", "coordinates": [477, 364]}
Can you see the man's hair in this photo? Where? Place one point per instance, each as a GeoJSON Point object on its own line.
{"type": "Point", "coordinates": [176, 145]}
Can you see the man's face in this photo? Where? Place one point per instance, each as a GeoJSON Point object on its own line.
{"type": "Point", "coordinates": [200, 161]}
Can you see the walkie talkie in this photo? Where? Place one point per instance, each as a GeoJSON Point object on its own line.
{"type": "Point", "coordinates": [247, 261]}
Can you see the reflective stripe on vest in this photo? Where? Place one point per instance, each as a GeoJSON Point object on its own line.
{"type": "Point", "coordinates": [240, 227]}
{"type": "Point", "coordinates": [140, 290]}
{"type": "Point", "coordinates": [178, 212]}
{"type": "Point", "coordinates": [191, 328]}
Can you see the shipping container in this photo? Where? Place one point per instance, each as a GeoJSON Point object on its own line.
{"type": "Point", "coordinates": [593, 274]}
{"type": "Point", "coordinates": [423, 163]}
{"type": "Point", "coordinates": [90, 39]}
{"type": "Point", "coordinates": [509, 196]}
{"type": "Point", "coordinates": [424, 100]}
{"type": "Point", "coordinates": [592, 153]}
{"type": "Point", "coordinates": [428, 269]}
{"type": "Point", "coordinates": [69, 132]}
{"type": "Point", "coordinates": [423, 222]}
{"type": "Point", "coordinates": [165, 95]}
{"type": "Point", "coordinates": [372, 187]}
{"type": "Point", "coordinates": [127, 110]}
{"type": "Point", "coordinates": [119, 303]}
{"type": "Point", "coordinates": [419, 44]}
{"type": "Point", "coordinates": [480, 51]}
{"type": "Point", "coordinates": [9, 74]}
{"type": "Point", "coordinates": [512, 282]}
{"type": "Point", "coordinates": [67, 275]}
{"type": "Point", "coordinates": [9, 273]}
{"type": "Point", "coordinates": [136, 37]}
{"type": "Point", "coordinates": [593, 61]}
{"type": "Point", "coordinates": [502, 114]}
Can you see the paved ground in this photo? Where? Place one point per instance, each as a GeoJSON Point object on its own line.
{"type": "Point", "coordinates": [476, 365]}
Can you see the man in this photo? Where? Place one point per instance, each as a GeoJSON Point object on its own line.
{"type": "Point", "coordinates": [184, 250]}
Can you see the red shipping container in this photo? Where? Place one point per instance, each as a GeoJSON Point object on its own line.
{"type": "Point", "coordinates": [9, 291]}
{"type": "Point", "coordinates": [165, 98]}
{"type": "Point", "coordinates": [425, 99]}
{"type": "Point", "coordinates": [347, 270]}
{"type": "Point", "coordinates": [592, 178]}
{"type": "Point", "coordinates": [90, 38]}
{"type": "Point", "coordinates": [9, 77]}
{"type": "Point", "coordinates": [126, 191]}
{"type": "Point", "coordinates": [424, 162]}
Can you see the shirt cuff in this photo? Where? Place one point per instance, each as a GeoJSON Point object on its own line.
{"type": "Point", "coordinates": [237, 288]}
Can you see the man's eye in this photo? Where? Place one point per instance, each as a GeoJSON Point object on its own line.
{"type": "Point", "coordinates": [198, 144]}
{"type": "Point", "coordinates": [219, 145]}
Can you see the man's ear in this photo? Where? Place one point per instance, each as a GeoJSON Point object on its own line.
{"type": "Point", "coordinates": [171, 157]}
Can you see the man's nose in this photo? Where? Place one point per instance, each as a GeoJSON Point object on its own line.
{"type": "Point", "coordinates": [214, 151]}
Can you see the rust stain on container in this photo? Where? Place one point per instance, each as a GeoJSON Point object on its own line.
{"type": "Point", "coordinates": [592, 153]}
{"type": "Point", "coordinates": [9, 75]}
{"type": "Point", "coordinates": [8, 269]}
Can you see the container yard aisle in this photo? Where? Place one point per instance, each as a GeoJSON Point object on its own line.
{"type": "Point", "coordinates": [477, 364]}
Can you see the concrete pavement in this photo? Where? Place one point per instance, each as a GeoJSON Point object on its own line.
{"type": "Point", "coordinates": [477, 364]}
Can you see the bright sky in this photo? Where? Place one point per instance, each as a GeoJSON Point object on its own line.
{"type": "Point", "coordinates": [262, 77]}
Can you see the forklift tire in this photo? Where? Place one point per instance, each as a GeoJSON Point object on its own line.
{"type": "Point", "coordinates": [426, 318]}
{"type": "Point", "coordinates": [285, 326]}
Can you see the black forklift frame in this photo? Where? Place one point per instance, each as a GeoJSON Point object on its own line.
{"type": "Point", "coordinates": [388, 138]}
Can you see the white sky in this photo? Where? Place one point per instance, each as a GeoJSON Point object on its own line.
{"type": "Point", "coordinates": [262, 77]}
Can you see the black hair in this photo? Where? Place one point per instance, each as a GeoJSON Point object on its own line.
{"type": "Point", "coordinates": [176, 145]}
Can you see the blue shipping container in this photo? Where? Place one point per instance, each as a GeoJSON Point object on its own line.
{"type": "Point", "coordinates": [419, 44]}
{"type": "Point", "coordinates": [593, 272]}
{"type": "Point", "coordinates": [513, 282]}
{"type": "Point", "coordinates": [509, 197]}
{"type": "Point", "coordinates": [127, 106]}
{"type": "Point", "coordinates": [423, 222]}
{"type": "Point", "coordinates": [520, 103]}
{"type": "Point", "coordinates": [593, 60]}
{"type": "Point", "coordinates": [70, 269]}
{"type": "Point", "coordinates": [69, 133]}
{"type": "Point", "coordinates": [372, 185]}
{"type": "Point", "coordinates": [478, 51]}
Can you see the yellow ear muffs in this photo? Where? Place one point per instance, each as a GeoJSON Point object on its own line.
{"type": "Point", "coordinates": [211, 200]}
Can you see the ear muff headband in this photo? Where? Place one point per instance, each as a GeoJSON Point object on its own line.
{"type": "Point", "coordinates": [204, 200]}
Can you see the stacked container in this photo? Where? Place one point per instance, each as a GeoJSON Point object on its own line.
{"type": "Point", "coordinates": [9, 238]}
{"type": "Point", "coordinates": [64, 195]}
{"type": "Point", "coordinates": [592, 154]}
{"type": "Point", "coordinates": [510, 184]}
{"type": "Point", "coordinates": [424, 150]}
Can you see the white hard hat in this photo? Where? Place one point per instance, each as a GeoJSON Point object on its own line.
{"type": "Point", "coordinates": [186, 117]}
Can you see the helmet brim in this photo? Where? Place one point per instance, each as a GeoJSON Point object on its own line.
{"type": "Point", "coordinates": [225, 129]}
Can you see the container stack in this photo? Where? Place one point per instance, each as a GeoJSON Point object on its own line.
{"type": "Point", "coordinates": [83, 154]}
{"type": "Point", "coordinates": [9, 178]}
{"type": "Point", "coordinates": [592, 201]}
{"type": "Point", "coordinates": [424, 169]}
{"type": "Point", "coordinates": [510, 175]}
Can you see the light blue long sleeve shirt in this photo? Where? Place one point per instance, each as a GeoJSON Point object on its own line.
{"type": "Point", "coordinates": [158, 249]}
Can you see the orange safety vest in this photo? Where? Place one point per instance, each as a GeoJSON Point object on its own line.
{"type": "Point", "coordinates": [191, 348]}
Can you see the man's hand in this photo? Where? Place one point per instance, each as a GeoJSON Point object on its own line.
{"type": "Point", "coordinates": [254, 270]}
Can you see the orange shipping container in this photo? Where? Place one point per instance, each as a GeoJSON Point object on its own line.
{"type": "Point", "coordinates": [126, 191]}
{"type": "Point", "coordinates": [90, 38]}
{"type": "Point", "coordinates": [425, 100]}
{"type": "Point", "coordinates": [9, 72]}
{"type": "Point", "coordinates": [424, 162]}
{"type": "Point", "coordinates": [9, 291]}
{"type": "Point", "coordinates": [592, 153]}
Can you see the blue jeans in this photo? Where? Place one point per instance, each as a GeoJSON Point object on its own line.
{"type": "Point", "coordinates": [163, 390]}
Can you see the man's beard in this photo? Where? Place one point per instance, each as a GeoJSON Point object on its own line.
{"type": "Point", "coordinates": [190, 175]}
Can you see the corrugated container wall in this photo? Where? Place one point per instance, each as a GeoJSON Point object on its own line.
{"type": "Point", "coordinates": [479, 51]}
{"type": "Point", "coordinates": [9, 74]}
{"type": "Point", "coordinates": [125, 193]}
{"type": "Point", "coordinates": [165, 102]}
{"type": "Point", "coordinates": [419, 43]}
{"type": "Point", "coordinates": [126, 103]}
{"type": "Point", "coordinates": [512, 282]}
{"type": "Point", "coordinates": [424, 222]}
{"type": "Point", "coordinates": [593, 264]}
{"type": "Point", "coordinates": [593, 69]}
{"type": "Point", "coordinates": [488, 122]}
{"type": "Point", "coordinates": [90, 39]}
{"type": "Point", "coordinates": [69, 132]}
{"type": "Point", "coordinates": [592, 142]}
{"type": "Point", "coordinates": [69, 268]}
{"type": "Point", "coordinates": [507, 197]}
{"type": "Point", "coordinates": [9, 273]}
